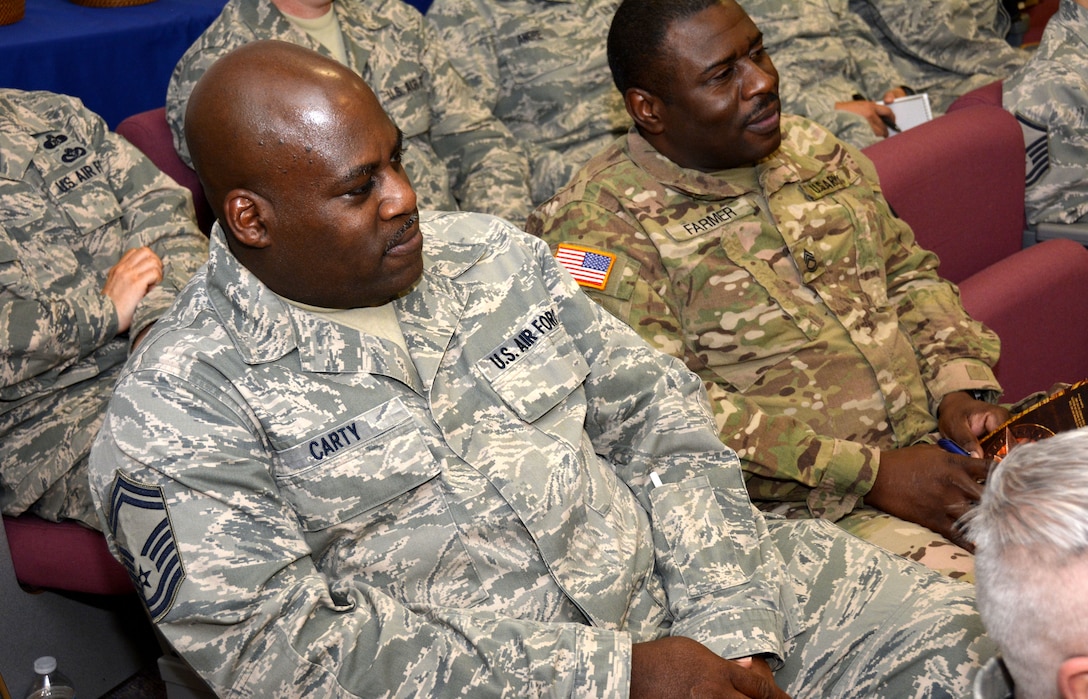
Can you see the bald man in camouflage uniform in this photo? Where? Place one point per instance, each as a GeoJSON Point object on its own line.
{"type": "Point", "coordinates": [540, 65]}
{"type": "Point", "coordinates": [84, 217]}
{"type": "Point", "coordinates": [773, 266]}
{"type": "Point", "coordinates": [944, 47]}
{"type": "Point", "coordinates": [1049, 97]}
{"type": "Point", "coordinates": [486, 486]}
{"type": "Point", "coordinates": [458, 154]}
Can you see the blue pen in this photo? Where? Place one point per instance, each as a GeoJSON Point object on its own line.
{"type": "Point", "coordinates": [949, 445]}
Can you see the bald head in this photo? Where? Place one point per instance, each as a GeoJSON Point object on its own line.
{"type": "Point", "coordinates": [303, 168]}
{"type": "Point", "coordinates": [256, 107]}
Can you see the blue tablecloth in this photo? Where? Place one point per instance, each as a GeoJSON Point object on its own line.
{"type": "Point", "coordinates": [116, 59]}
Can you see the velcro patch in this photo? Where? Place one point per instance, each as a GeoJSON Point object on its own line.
{"type": "Point", "coordinates": [589, 267]}
{"type": "Point", "coordinates": [141, 528]}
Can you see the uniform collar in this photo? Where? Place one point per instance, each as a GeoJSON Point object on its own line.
{"type": "Point", "coordinates": [264, 328]}
{"type": "Point", "coordinates": [785, 166]}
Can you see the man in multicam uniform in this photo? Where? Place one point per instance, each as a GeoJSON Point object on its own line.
{"type": "Point", "coordinates": [759, 249]}
{"type": "Point", "coordinates": [95, 243]}
{"type": "Point", "coordinates": [944, 47]}
{"type": "Point", "coordinates": [1033, 570]}
{"type": "Point", "coordinates": [458, 155]}
{"type": "Point", "coordinates": [540, 65]}
{"type": "Point", "coordinates": [1049, 96]}
{"type": "Point", "coordinates": [473, 481]}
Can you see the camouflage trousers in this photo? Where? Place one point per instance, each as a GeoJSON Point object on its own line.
{"type": "Point", "coordinates": [874, 625]}
{"type": "Point", "coordinates": [44, 445]}
{"type": "Point", "coordinates": [912, 541]}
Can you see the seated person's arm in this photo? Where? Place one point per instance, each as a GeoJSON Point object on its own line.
{"type": "Point", "coordinates": [489, 169]}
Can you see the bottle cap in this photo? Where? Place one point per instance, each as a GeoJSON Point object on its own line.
{"type": "Point", "coordinates": [45, 664]}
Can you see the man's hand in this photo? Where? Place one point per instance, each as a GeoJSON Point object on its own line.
{"type": "Point", "coordinates": [128, 281]}
{"type": "Point", "coordinates": [676, 667]}
{"type": "Point", "coordinates": [930, 486]}
{"type": "Point", "coordinates": [963, 419]}
{"type": "Point", "coordinates": [878, 115]}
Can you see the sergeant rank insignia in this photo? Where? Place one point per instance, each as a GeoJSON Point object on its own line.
{"type": "Point", "coordinates": [149, 551]}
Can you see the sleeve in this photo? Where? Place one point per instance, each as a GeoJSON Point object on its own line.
{"type": "Point", "coordinates": [648, 416]}
{"type": "Point", "coordinates": [778, 447]}
{"type": "Point", "coordinates": [48, 332]}
{"type": "Point", "coordinates": [955, 352]}
{"type": "Point", "coordinates": [211, 45]}
{"type": "Point", "coordinates": [240, 592]}
{"type": "Point", "coordinates": [489, 169]}
{"type": "Point", "coordinates": [156, 212]}
{"type": "Point", "coordinates": [873, 63]}
{"type": "Point", "coordinates": [464, 28]}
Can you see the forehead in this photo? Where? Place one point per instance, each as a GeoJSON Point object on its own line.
{"type": "Point", "coordinates": [719, 32]}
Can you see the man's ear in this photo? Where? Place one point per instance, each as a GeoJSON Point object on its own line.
{"type": "Point", "coordinates": [645, 109]}
{"type": "Point", "coordinates": [246, 213]}
{"type": "Point", "coordinates": [1073, 678]}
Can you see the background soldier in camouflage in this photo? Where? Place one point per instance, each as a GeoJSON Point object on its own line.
{"type": "Point", "coordinates": [762, 252]}
{"type": "Point", "coordinates": [473, 481]}
{"type": "Point", "coordinates": [944, 47]}
{"type": "Point", "coordinates": [829, 58]}
{"type": "Point", "coordinates": [457, 153]}
{"type": "Point", "coordinates": [1049, 96]}
{"type": "Point", "coordinates": [95, 243]}
{"type": "Point", "coordinates": [1031, 528]}
{"type": "Point", "coordinates": [540, 65]}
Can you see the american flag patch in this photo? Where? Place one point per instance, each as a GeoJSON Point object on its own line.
{"type": "Point", "coordinates": [588, 267]}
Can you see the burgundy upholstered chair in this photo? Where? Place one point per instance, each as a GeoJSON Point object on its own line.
{"type": "Point", "coordinates": [959, 182]}
{"type": "Point", "coordinates": [149, 132]}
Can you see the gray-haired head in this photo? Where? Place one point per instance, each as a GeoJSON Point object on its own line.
{"type": "Point", "coordinates": [1031, 560]}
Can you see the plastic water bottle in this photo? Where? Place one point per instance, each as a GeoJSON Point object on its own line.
{"type": "Point", "coordinates": [50, 683]}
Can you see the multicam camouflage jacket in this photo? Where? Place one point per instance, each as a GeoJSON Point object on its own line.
{"type": "Point", "coordinates": [1049, 96]}
{"type": "Point", "coordinates": [820, 328]}
{"type": "Point", "coordinates": [457, 154]}
{"type": "Point", "coordinates": [73, 198]}
{"type": "Point", "coordinates": [312, 511]}
{"type": "Point", "coordinates": [542, 68]}
{"type": "Point", "coordinates": [944, 47]}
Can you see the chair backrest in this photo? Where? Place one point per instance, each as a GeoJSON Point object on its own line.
{"type": "Point", "coordinates": [958, 180]}
{"type": "Point", "coordinates": [149, 132]}
{"type": "Point", "coordinates": [987, 94]}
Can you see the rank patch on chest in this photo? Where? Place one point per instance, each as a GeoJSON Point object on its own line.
{"type": "Point", "coordinates": [590, 268]}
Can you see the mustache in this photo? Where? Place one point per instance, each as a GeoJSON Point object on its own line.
{"type": "Point", "coordinates": [763, 105]}
{"type": "Point", "coordinates": [401, 232]}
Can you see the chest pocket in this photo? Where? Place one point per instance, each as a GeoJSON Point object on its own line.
{"type": "Point", "coordinates": [533, 380]}
{"type": "Point", "coordinates": [528, 53]}
{"type": "Point", "coordinates": [367, 462]}
{"type": "Point", "coordinates": [404, 96]}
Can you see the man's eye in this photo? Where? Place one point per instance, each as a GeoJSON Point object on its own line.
{"type": "Point", "coordinates": [362, 190]}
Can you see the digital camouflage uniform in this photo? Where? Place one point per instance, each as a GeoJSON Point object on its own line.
{"type": "Point", "coordinates": [820, 328]}
{"type": "Point", "coordinates": [311, 511]}
{"type": "Point", "coordinates": [73, 198]}
{"type": "Point", "coordinates": [944, 47]}
{"type": "Point", "coordinates": [825, 54]}
{"type": "Point", "coordinates": [1049, 96]}
{"type": "Point", "coordinates": [542, 68]}
{"type": "Point", "coordinates": [457, 154]}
